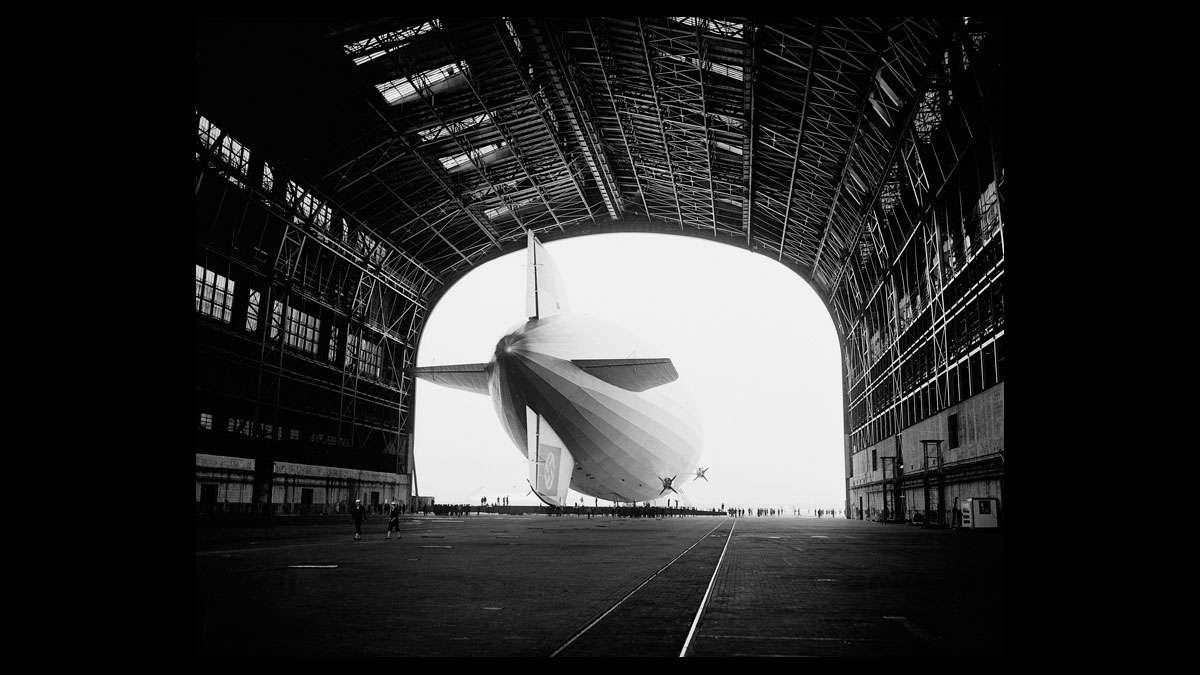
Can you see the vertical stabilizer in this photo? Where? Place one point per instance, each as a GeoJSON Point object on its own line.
{"type": "Point", "coordinates": [544, 294]}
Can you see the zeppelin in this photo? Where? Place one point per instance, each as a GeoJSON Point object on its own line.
{"type": "Point", "coordinates": [578, 405]}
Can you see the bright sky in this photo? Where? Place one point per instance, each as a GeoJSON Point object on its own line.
{"type": "Point", "coordinates": [753, 344]}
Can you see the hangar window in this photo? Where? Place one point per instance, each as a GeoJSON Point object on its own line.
{"type": "Point", "coordinates": [268, 178]}
{"type": "Point", "coordinates": [299, 329]}
{"type": "Point", "coordinates": [333, 343]}
{"type": "Point", "coordinates": [928, 116]}
{"type": "Point", "coordinates": [1000, 359]}
{"type": "Point", "coordinates": [408, 87]}
{"type": "Point", "coordinates": [307, 206]}
{"type": "Point", "coordinates": [206, 421]}
{"type": "Point", "coordinates": [370, 49]}
{"type": "Point", "coordinates": [236, 155]}
{"type": "Point", "coordinates": [890, 196]}
{"type": "Point", "coordinates": [987, 209]}
{"type": "Point", "coordinates": [369, 358]}
{"type": "Point", "coordinates": [363, 355]}
{"type": "Point", "coordinates": [214, 294]}
{"type": "Point", "coordinates": [952, 430]}
{"type": "Point", "coordinates": [240, 426]}
{"type": "Point", "coordinates": [874, 460]}
{"type": "Point", "coordinates": [252, 311]}
{"type": "Point", "coordinates": [370, 247]}
{"type": "Point", "coordinates": [208, 132]}
{"type": "Point", "coordinates": [989, 365]}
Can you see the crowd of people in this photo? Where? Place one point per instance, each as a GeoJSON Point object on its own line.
{"type": "Point", "coordinates": [772, 513]}
{"type": "Point", "coordinates": [395, 510]}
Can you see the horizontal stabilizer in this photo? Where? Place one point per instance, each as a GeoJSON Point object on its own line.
{"type": "Point", "coordinates": [630, 374]}
{"type": "Point", "coordinates": [550, 463]}
{"type": "Point", "coordinates": [472, 377]}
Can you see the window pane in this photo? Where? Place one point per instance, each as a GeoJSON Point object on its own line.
{"type": "Point", "coordinates": [989, 366]}
{"type": "Point", "coordinates": [1000, 359]}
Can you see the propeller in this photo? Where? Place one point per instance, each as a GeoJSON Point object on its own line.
{"type": "Point", "coordinates": [666, 485]}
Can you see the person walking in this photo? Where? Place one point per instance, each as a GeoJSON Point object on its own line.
{"type": "Point", "coordinates": [393, 521]}
{"type": "Point", "coordinates": [359, 514]}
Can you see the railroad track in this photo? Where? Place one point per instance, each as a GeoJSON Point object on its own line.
{"type": "Point", "coordinates": [651, 611]}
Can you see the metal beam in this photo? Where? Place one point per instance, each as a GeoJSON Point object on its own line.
{"type": "Point", "coordinates": [437, 178]}
{"type": "Point", "coordinates": [862, 113]}
{"type": "Point", "coordinates": [420, 217]}
{"type": "Point", "coordinates": [575, 114]}
{"type": "Point", "coordinates": [712, 186]}
{"type": "Point", "coordinates": [812, 60]}
{"type": "Point", "coordinates": [617, 115]}
{"type": "Point", "coordinates": [458, 140]}
{"type": "Point", "coordinates": [344, 167]}
{"type": "Point", "coordinates": [661, 129]}
{"type": "Point", "coordinates": [748, 80]}
{"type": "Point", "coordinates": [550, 132]}
{"type": "Point", "coordinates": [904, 129]}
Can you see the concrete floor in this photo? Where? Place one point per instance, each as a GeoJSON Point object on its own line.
{"type": "Point", "coordinates": [527, 585]}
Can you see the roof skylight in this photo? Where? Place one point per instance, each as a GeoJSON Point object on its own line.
{"type": "Point", "coordinates": [373, 48]}
{"type": "Point", "coordinates": [405, 88]}
{"type": "Point", "coordinates": [458, 160]}
{"type": "Point", "coordinates": [716, 26]}
{"type": "Point", "coordinates": [513, 32]}
{"type": "Point", "coordinates": [731, 121]}
{"type": "Point", "coordinates": [496, 212]}
{"type": "Point", "coordinates": [441, 131]}
{"type": "Point", "coordinates": [728, 148]}
{"type": "Point", "coordinates": [734, 72]}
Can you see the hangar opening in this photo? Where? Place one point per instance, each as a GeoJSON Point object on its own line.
{"type": "Point", "coordinates": [754, 345]}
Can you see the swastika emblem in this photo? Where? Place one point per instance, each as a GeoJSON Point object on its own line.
{"type": "Point", "coordinates": [548, 476]}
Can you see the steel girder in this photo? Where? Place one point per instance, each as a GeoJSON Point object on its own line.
{"type": "Point", "coordinates": [777, 135]}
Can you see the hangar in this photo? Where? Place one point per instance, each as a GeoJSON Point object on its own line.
{"type": "Point", "coordinates": [348, 171]}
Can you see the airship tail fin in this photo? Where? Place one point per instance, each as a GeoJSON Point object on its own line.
{"type": "Point", "coordinates": [550, 463]}
{"type": "Point", "coordinates": [544, 295]}
{"type": "Point", "coordinates": [471, 377]}
{"type": "Point", "coordinates": [630, 374]}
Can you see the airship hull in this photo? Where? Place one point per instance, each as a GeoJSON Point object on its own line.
{"type": "Point", "coordinates": [575, 398]}
{"type": "Point", "coordinates": [622, 442]}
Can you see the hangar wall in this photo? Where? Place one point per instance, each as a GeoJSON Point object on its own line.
{"type": "Point", "coordinates": [927, 347]}
{"type": "Point", "coordinates": [968, 463]}
{"type": "Point", "coordinates": [304, 325]}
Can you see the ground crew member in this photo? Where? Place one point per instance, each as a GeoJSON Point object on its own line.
{"type": "Point", "coordinates": [359, 513]}
{"type": "Point", "coordinates": [393, 521]}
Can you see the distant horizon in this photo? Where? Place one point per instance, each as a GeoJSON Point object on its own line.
{"type": "Point", "coordinates": [690, 298]}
